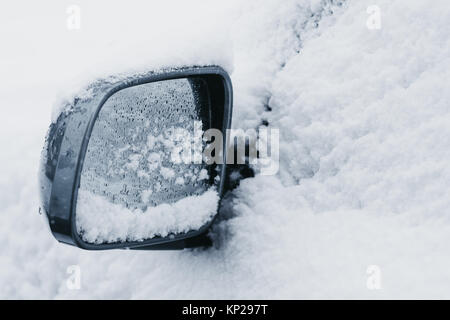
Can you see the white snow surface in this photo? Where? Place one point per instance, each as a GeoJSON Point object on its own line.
{"type": "Point", "coordinates": [99, 220]}
{"type": "Point", "coordinates": [364, 119]}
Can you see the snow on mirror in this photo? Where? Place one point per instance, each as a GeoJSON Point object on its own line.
{"type": "Point", "coordinates": [138, 179]}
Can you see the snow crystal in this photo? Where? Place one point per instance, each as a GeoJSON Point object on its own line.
{"type": "Point", "coordinates": [167, 173]}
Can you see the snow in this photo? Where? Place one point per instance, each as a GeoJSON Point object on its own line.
{"type": "Point", "coordinates": [167, 173]}
{"type": "Point", "coordinates": [101, 221]}
{"type": "Point", "coordinates": [364, 121]}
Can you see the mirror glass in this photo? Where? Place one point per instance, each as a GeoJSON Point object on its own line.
{"type": "Point", "coordinates": [143, 174]}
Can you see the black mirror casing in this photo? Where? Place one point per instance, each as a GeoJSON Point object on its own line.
{"type": "Point", "coordinates": [68, 138]}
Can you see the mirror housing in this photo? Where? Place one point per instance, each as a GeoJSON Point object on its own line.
{"type": "Point", "coordinates": [67, 143]}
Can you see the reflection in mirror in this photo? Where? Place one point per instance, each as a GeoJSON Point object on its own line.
{"type": "Point", "coordinates": [143, 175]}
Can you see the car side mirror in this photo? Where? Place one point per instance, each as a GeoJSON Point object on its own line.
{"type": "Point", "coordinates": [132, 165]}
